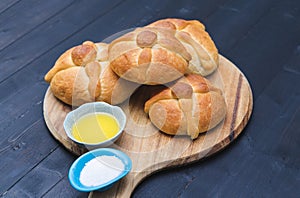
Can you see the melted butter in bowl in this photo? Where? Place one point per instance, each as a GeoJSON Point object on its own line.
{"type": "Point", "coordinates": [96, 124]}
{"type": "Point", "coordinates": [95, 127]}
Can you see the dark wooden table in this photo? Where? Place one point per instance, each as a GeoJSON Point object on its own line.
{"type": "Point", "coordinates": [262, 37]}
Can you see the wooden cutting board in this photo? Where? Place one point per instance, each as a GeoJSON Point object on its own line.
{"type": "Point", "coordinates": [151, 150]}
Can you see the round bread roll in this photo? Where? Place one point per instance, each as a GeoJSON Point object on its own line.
{"type": "Point", "coordinates": [149, 55]}
{"type": "Point", "coordinates": [198, 43]}
{"type": "Point", "coordinates": [189, 107]}
{"type": "Point", "coordinates": [78, 56]}
{"type": "Point", "coordinates": [82, 74]}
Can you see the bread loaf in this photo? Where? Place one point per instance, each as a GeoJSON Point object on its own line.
{"type": "Point", "coordinates": [82, 74]}
{"type": "Point", "coordinates": [189, 107]}
{"type": "Point", "coordinates": [198, 43]}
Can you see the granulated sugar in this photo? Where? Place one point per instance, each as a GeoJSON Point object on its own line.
{"type": "Point", "coordinates": [100, 170]}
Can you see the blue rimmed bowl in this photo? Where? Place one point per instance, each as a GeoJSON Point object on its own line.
{"type": "Point", "coordinates": [77, 166]}
{"type": "Point", "coordinates": [95, 107]}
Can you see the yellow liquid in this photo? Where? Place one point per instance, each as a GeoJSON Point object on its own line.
{"type": "Point", "coordinates": [95, 128]}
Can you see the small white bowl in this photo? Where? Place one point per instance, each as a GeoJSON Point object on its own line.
{"type": "Point", "coordinates": [95, 107]}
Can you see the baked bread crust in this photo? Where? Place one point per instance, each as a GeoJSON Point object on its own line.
{"type": "Point", "coordinates": [192, 34]}
{"type": "Point", "coordinates": [82, 74]}
{"type": "Point", "coordinates": [77, 56]}
{"type": "Point", "coordinates": [189, 107]}
{"type": "Point", "coordinates": [149, 55]}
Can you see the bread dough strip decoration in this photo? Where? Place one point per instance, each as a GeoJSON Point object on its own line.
{"type": "Point", "coordinates": [189, 107]}
{"type": "Point", "coordinates": [82, 74]}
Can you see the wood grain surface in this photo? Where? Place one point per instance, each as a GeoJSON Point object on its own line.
{"type": "Point", "coordinates": [151, 150]}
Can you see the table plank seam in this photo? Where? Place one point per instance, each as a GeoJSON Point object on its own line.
{"type": "Point", "coordinates": [249, 29]}
{"type": "Point", "coordinates": [34, 27]}
{"type": "Point", "coordinates": [3, 11]}
{"type": "Point", "coordinates": [45, 193]}
{"type": "Point", "coordinates": [59, 43]}
{"type": "Point", "coordinates": [44, 158]}
{"type": "Point", "coordinates": [12, 142]}
{"type": "Point", "coordinates": [215, 10]}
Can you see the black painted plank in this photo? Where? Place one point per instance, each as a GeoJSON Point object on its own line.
{"type": "Point", "coordinates": [149, 11]}
{"type": "Point", "coordinates": [6, 4]}
{"type": "Point", "coordinates": [24, 153]}
{"type": "Point", "coordinates": [19, 112]}
{"type": "Point", "coordinates": [263, 179]}
{"type": "Point", "coordinates": [27, 15]}
{"type": "Point", "coordinates": [238, 17]}
{"type": "Point", "coordinates": [280, 103]}
{"type": "Point", "coordinates": [52, 32]}
{"type": "Point", "coordinates": [268, 45]}
{"type": "Point", "coordinates": [293, 65]}
{"type": "Point", "coordinates": [44, 176]}
{"type": "Point", "coordinates": [64, 189]}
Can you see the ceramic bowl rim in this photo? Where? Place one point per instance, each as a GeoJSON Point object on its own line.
{"type": "Point", "coordinates": [99, 152]}
{"type": "Point", "coordinates": [86, 105]}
